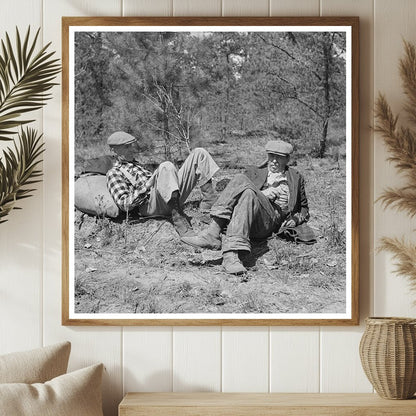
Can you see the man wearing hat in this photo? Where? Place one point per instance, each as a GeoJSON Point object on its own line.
{"type": "Point", "coordinates": [254, 205]}
{"type": "Point", "coordinates": [163, 192]}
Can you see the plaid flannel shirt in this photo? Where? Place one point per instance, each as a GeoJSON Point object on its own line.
{"type": "Point", "coordinates": [127, 195]}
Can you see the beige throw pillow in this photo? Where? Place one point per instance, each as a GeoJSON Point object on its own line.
{"type": "Point", "coordinates": [73, 394]}
{"type": "Point", "coordinates": [35, 366]}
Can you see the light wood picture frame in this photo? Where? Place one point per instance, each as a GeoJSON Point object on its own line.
{"type": "Point", "coordinates": [234, 84]}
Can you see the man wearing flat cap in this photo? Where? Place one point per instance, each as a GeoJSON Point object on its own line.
{"type": "Point", "coordinates": [254, 205]}
{"type": "Point", "coordinates": [163, 192]}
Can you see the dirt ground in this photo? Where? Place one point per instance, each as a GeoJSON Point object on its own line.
{"type": "Point", "coordinates": [142, 267]}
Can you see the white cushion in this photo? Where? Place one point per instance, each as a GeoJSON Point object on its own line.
{"type": "Point", "coordinates": [35, 366]}
{"type": "Point", "coordinates": [73, 394]}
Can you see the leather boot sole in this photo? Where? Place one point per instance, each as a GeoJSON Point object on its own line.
{"type": "Point", "coordinates": [202, 243]}
{"type": "Point", "coordinates": [232, 264]}
{"type": "Point", "coordinates": [236, 269]}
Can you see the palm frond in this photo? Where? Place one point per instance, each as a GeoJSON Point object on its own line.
{"type": "Point", "coordinates": [405, 255]}
{"type": "Point", "coordinates": [25, 79]}
{"type": "Point", "coordinates": [18, 169]}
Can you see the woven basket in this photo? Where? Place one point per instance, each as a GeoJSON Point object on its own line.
{"type": "Point", "coordinates": [388, 356]}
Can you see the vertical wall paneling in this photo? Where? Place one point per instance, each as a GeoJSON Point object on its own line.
{"type": "Point", "coordinates": [147, 7]}
{"type": "Point", "coordinates": [21, 237]}
{"type": "Point", "coordinates": [231, 359]}
{"type": "Point", "coordinates": [394, 21]}
{"type": "Point", "coordinates": [347, 374]}
{"type": "Point", "coordinates": [89, 344]}
{"type": "Point", "coordinates": [20, 13]}
{"type": "Point", "coordinates": [245, 359]}
{"type": "Point", "coordinates": [147, 359]}
{"type": "Point", "coordinates": [341, 370]}
{"type": "Point", "coordinates": [294, 351]}
{"type": "Point", "coordinates": [196, 8]}
{"type": "Point", "coordinates": [245, 8]}
{"type": "Point", "coordinates": [196, 359]}
{"type": "Point", "coordinates": [294, 8]}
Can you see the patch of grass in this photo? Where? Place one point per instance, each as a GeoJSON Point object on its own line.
{"type": "Point", "coordinates": [253, 303]}
{"type": "Point", "coordinates": [142, 267]}
{"type": "Point", "coordinates": [322, 281]}
{"type": "Point", "coordinates": [333, 231]}
{"type": "Point", "coordinates": [184, 289]}
{"type": "Point", "coordinates": [79, 288]}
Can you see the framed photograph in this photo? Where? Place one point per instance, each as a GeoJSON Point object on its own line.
{"type": "Point", "coordinates": [210, 171]}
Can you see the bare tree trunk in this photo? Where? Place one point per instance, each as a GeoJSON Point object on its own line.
{"type": "Point", "coordinates": [322, 143]}
{"type": "Point", "coordinates": [225, 115]}
{"type": "Point", "coordinates": [226, 105]}
{"type": "Point", "coordinates": [327, 108]}
{"type": "Point", "coordinates": [166, 133]}
{"type": "Point", "coordinates": [100, 84]}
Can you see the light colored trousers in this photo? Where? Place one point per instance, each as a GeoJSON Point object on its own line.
{"type": "Point", "coordinates": [199, 166]}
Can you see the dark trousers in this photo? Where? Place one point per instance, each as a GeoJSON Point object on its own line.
{"type": "Point", "coordinates": [249, 214]}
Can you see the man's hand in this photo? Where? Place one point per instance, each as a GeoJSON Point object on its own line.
{"type": "Point", "coordinates": [142, 191]}
{"type": "Point", "coordinates": [271, 193]}
{"type": "Point", "coordinates": [289, 223]}
{"type": "Point", "coordinates": [151, 181]}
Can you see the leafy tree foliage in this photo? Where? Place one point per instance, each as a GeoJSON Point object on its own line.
{"type": "Point", "coordinates": [173, 89]}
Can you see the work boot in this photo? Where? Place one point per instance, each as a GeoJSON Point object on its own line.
{"type": "Point", "coordinates": [181, 223]}
{"type": "Point", "coordinates": [232, 263]}
{"type": "Point", "coordinates": [209, 196]}
{"type": "Point", "coordinates": [179, 219]}
{"type": "Point", "coordinates": [208, 238]}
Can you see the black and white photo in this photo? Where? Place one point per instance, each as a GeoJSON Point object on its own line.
{"type": "Point", "coordinates": [211, 172]}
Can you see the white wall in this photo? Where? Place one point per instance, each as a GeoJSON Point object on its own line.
{"type": "Point", "coordinates": [277, 359]}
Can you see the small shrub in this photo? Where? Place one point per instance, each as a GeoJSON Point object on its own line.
{"type": "Point", "coordinates": [184, 289]}
{"type": "Point", "coordinates": [234, 162]}
{"type": "Point", "coordinates": [252, 303]}
{"type": "Point", "coordinates": [80, 288]}
{"type": "Point", "coordinates": [334, 234]}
